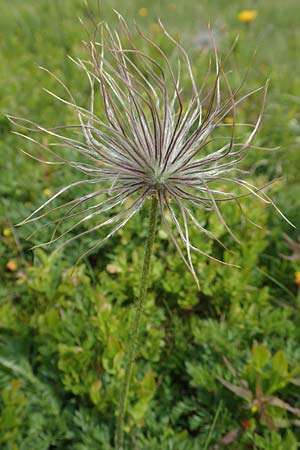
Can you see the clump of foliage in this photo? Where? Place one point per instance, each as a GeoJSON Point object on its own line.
{"type": "Point", "coordinates": [65, 333]}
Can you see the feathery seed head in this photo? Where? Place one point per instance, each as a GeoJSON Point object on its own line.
{"type": "Point", "coordinates": [153, 137]}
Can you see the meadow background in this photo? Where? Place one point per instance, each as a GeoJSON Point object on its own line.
{"type": "Point", "coordinates": [219, 367]}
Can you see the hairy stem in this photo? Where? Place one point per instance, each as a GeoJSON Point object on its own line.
{"type": "Point", "coordinates": [134, 334]}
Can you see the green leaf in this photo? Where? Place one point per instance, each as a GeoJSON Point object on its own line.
{"type": "Point", "coordinates": [139, 409]}
{"type": "Point", "coordinates": [148, 385]}
{"type": "Point", "coordinates": [94, 392]}
{"type": "Point", "coordinates": [261, 355]}
{"type": "Point", "coordinates": [279, 363]}
{"type": "Point", "coordinates": [244, 393]}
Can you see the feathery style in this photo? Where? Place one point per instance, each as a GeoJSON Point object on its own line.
{"type": "Point", "coordinates": [158, 135]}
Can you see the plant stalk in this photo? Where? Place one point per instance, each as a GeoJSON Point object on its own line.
{"type": "Point", "coordinates": [134, 334]}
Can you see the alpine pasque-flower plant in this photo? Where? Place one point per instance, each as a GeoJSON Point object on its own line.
{"type": "Point", "coordinates": [160, 136]}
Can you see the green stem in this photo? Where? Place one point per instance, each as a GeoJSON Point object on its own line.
{"type": "Point", "coordinates": [134, 334]}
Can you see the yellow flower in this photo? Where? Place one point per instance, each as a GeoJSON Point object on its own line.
{"type": "Point", "coordinates": [254, 409]}
{"type": "Point", "coordinates": [155, 28]}
{"type": "Point", "coordinates": [297, 278]}
{"type": "Point", "coordinates": [12, 266]}
{"type": "Point", "coordinates": [6, 232]}
{"type": "Point", "coordinates": [143, 12]}
{"type": "Point", "coordinates": [247, 15]}
{"type": "Point", "coordinates": [47, 192]}
{"type": "Point", "coordinates": [228, 120]}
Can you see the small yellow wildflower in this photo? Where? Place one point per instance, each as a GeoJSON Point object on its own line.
{"type": "Point", "coordinates": [254, 409]}
{"type": "Point", "coordinates": [6, 232]}
{"type": "Point", "coordinates": [247, 15]}
{"type": "Point", "coordinates": [155, 28]}
{"type": "Point", "coordinates": [228, 120]}
{"type": "Point", "coordinates": [12, 266]}
{"type": "Point", "coordinates": [297, 278]}
{"type": "Point", "coordinates": [47, 192]}
{"type": "Point", "coordinates": [143, 12]}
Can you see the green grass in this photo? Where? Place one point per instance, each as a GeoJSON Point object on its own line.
{"type": "Point", "coordinates": [63, 332]}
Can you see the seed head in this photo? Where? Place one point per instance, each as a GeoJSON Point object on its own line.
{"type": "Point", "coordinates": [159, 134]}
